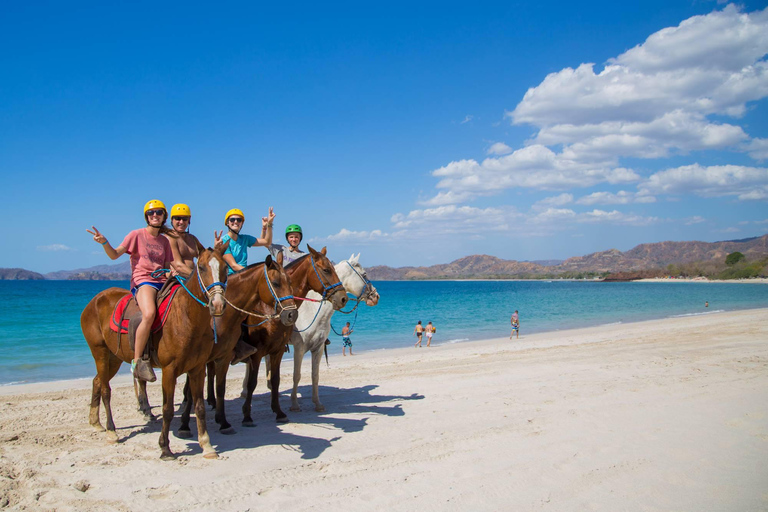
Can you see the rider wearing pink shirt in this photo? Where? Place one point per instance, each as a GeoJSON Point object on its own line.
{"type": "Point", "coordinates": [150, 251]}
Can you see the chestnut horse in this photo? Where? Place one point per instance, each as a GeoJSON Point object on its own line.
{"type": "Point", "coordinates": [311, 272]}
{"type": "Point", "coordinates": [262, 289]}
{"type": "Point", "coordinates": [183, 345]}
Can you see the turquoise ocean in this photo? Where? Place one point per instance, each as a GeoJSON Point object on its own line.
{"type": "Point", "coordinates": [40, 337]}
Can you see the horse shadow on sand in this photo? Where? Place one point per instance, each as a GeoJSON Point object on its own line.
{"type": "Point", "coordinates": [357, 401]}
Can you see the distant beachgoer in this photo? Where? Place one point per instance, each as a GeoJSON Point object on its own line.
{"type": "Point", "coordinates": [515, 325]}
{"type": "Point", "coordinates": [430, 330]}
{"type": "Point", "coordinates": [706, 304]}
{"type": "Point", "coordinates": [418, 330]}
{"type": "Point", "coordinates": [345, 332]}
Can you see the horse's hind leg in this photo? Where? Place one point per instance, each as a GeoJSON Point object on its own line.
{"type": "Point", "coordinates": [298, 357]}
{"type": "Point", "coordinates": [196, 383]}
{"type": "Point", "coordinates": [317, 358]}
{"type": "Point", "coordinates": [252, 376]}
{"type": "Point", "coordinates": [221, 388]}
{"type": "Point", "coordinates": [186, 407]}
{"type": "Point", "coordinates": [140, 388]}
{"type": "Point", "coordinates": [169, 387]}
{"type": "Point", "coordinates": [211, 398]}
{"type": "Point", "coordinates": [275, 361]}
{"type": "Point", "coordinates": [106, 367]}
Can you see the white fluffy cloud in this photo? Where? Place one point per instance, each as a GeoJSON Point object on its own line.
{"type": "Point", "coordinates": [620, 197]}
{"type": "Point", "coordinates": [54, 248]}
{"type": "Point", "coordinates": [498, 148]}
{"type": "Point", "coordinates": [746, 183]}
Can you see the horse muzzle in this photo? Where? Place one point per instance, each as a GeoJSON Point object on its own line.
{"type": "Point", "coordinates": [288, 317]}
{"type": "Point", "coordinates": [372, 299]}
{"type": "Point", "coordinates": [217, 305]}
{"type": "Point", "coordinates": [339, 298]}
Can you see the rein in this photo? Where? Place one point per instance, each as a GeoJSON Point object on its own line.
{"type": "Point", "coordinates": [367, 290]}
{"type": "Point", "coordinates": [278, 303]}
{"type": "Point", "coordinates": [328, 288]}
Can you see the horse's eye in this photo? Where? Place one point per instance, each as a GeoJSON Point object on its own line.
{"type": "Point", "coordinates": [327, 271]}
{"type": "Point", "coordinates": [276, 284]}
{"type": "Point", "coordinates": [203, 268]}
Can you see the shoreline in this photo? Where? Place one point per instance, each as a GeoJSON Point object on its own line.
{"type": "Point", "coordinates": [287, 369]}
{"type": "Point", "coordinates": [668, 414]}
{"type": "Point", "coordinates": [122, 379]}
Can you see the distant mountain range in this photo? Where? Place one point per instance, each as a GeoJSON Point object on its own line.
{"type": "Point", "coordinates": [644, 257]}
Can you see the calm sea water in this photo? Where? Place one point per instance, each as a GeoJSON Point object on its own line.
{"type": "Point", "coordinates": [40, 338]}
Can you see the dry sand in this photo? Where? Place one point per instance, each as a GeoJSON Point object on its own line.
{"type": "Point", "coordinates": [661, 415]}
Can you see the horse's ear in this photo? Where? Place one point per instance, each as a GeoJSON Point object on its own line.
{"type": "Point", "coordinates": [311, 249]}
{"type": "Point", "coordinates": [280, 258]}
{"type": "Point", "coordinates": [223, 247]}
{"type": "Point", "coordinates": [357, 258]}
{"type": "Point", "coordinates": [268, 260]}
{"type": "Point", "coordinates": [323, 251]}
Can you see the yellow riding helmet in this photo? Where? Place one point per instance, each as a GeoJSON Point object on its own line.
{"type": "Point", "coordinates": [154, 204]}
{"type": "Point", "coordinates": [180, 210]}
{"type": "Point", "coordinates": [233, 211]}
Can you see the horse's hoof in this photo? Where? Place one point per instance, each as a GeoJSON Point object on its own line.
{"type": "Point", "coordinates": [211, 455]}
{"type": "Point", "coordinates": [295, 408]}
{"type": "Point", "coordinates": [184, 434]}
{"type": "Point", "coordinates": [284, 419]}
{"type": "Point", "coordinates": [111, 436]}
{"type": "Point", "coordinates": [97, 427]}
{"type": "Point", "coordinates": [249, 424]}
{"type": "Point", "coordinates": [168, 456]}
{"type": "Point", "coordinates": [227, 431]}
{"type": "Point", "coordinates": [320, 408]}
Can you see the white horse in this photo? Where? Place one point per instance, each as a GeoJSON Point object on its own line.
{"type": "Point", "coordinates": [313, 326]}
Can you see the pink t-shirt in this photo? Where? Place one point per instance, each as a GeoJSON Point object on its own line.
{"type": "Point", "coordinates": [148, 253]}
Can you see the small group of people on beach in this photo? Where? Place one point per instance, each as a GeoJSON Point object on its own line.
{"type": "Point", "coordinates": [421, 330]}
{"type": "Point", "coordinates": [158, 252]}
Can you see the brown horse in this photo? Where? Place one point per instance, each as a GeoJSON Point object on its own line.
{"type": "Point", "coordinates": [183, 345]}
{"type": "Point", "coordinates": [311, 272]}
{"type": "Point", "coordinates": [263, 289]}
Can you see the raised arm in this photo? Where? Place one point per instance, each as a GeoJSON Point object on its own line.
{"type": "Point", "coordinates": [266, 229]}
{"type": "Point", "coordinates": [101, 239]}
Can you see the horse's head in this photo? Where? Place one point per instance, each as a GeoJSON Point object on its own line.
{"type": "Point", "coordinates": [212, 273]}
{"type": "Point", "coordinates": [355, 280]}
{"type": "Point", "coordinates": [275, 290]}
{"type": "Point", "coordinates": [324, 280]}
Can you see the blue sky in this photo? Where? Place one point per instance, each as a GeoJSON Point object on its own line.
{"type": "Point", "coordinates": [414, 134]}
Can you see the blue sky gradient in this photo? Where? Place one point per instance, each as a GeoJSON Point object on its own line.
{"type": "Point", "coordinates": [414, 134]}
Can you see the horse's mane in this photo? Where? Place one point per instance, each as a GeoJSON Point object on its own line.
{"type": "Point", "coordinates": [296, 261]}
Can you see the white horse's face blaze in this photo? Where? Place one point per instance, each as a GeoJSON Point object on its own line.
{"type": "Point", "coordinates": [215, 273]}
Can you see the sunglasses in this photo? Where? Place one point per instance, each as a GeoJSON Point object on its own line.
{"type": "Point", "coordinates": [179, 217]}
{"type": "Point", "coordinates": [235, 219]}
{"type": "Point", "coordinates": [151, 213]}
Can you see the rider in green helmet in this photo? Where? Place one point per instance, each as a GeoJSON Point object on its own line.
{"type": "Point", "coordinates": [291, 252]}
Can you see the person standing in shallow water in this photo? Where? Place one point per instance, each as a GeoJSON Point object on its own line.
{"type": "Point", "coordinates": [345, 332]}
{"type": "Point", "coordinates": [418, 330]}
{"type": "Point", "coordinates": [515, 325]}
{"type": "Point", "coordinates": [430, 331]}
{"type": "Point", "coordinates": [150, 251]}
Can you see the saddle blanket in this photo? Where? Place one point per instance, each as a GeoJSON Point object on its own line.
{"type": "Point", "coordinates": [119, 316]}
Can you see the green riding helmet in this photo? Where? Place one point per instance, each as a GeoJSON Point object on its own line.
{"type": "Point", "coordinates": [293, 228]}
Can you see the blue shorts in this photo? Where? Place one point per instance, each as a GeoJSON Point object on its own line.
{"type": "Point", "coordinates": [347, 341]}
{"type": "Point", "coordinates": [156, 286]}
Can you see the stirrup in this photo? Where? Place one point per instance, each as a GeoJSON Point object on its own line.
{"type": "Point", "coordinates": [144, 371]}
{"type": "Point", "coordinates": [242, 352]}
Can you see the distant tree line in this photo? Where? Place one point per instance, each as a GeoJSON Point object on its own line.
{"type": "Point", "coordinates": [735, 266]}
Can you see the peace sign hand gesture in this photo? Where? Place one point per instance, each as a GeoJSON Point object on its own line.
{"type": "Point", "coordinates": [269, 219]}
{"type": "Point", "coordinates": [97, 236]}
{"type": "Point", "coordinates": [217, 238]}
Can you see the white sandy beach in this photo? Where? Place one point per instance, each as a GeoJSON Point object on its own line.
{"type": "Point", "coordinates": [655, 416]}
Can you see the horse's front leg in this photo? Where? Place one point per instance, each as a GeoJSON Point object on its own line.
{"type": "Point", "coordinates": [275, 361]}
{"type": "Point", "coordinates": [169, 387]}
{"type": "Point", "coordinates": [196, 384]}
{"type": "Point", "coordinates": [251, 377]}
{"type": "Point", "coordinates": [186, 408]}
{"type": "Point", "coordinates": [317, 358]}
{"type": "Point", "coordinates": [222, 366]}
{"type": "Point", "coordinates": [298, 357]}
{"type": "Point", "coordinates": [107, 368]}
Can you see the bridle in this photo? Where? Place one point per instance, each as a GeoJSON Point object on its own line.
{"type": "Point", "coordinates": [278, 304]}
{"type": "Point", "coordinates": [327, 288]}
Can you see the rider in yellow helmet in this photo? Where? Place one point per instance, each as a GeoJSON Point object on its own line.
{"type": "Point", "coordinates": [150, 251]}
{"type": "Point", "coordinates": [236, 254]}
{"type": "Point", "coordinates": [186, 247]}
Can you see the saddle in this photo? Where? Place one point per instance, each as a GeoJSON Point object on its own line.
{"type": "Point", "coordinates": [126, 317]}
